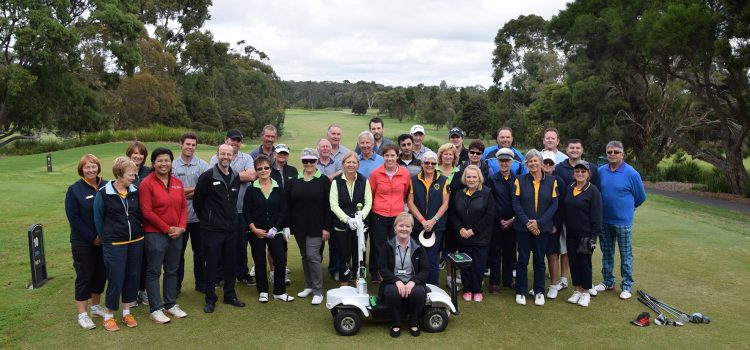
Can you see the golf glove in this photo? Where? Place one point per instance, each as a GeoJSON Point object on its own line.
{"type": "Point", "coordinates": [271, 233]}
{"type": "Point", "coordinates": [352, 223]}
{"type": "Point", "coordinates": [287, 233]}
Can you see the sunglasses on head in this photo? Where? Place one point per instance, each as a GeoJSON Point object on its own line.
{"type": "Point", "coordinates": [476, 153]}
{"type": "Point", "coordinates": [614, 151]}
{"type": "Point", "coordinates": [263, 168]}
{"type": "Point", "coordinates": [309, 161]}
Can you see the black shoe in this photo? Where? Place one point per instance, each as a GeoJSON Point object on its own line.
{"type": "Point", "coordinates": [414, 333]}
{"type": "Point", "coordinates": [209, 308]}
{"type": "Point", "coordinates": [395, 333]}
{"type": "Point", "coordinates": [234, 302]}
{"type": "Point", "coordinates": [247, 280]}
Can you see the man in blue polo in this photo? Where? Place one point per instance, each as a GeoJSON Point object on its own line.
{"type": "Point", "coordinates": [368, 159]}
{"type": "Point", "coordinates": [622, 191]}
{"type": "Point", "coordinates": [505, 140]}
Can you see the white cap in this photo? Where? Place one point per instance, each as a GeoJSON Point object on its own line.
{"type": "Point", "coordinates": [416, 128]}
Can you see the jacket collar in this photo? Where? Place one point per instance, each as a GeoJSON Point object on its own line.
{"type": "Point", "coordinates": [109, 188]}
{"type": "Point", "coordinates": [218, 176]}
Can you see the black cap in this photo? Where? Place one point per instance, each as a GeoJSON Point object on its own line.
{"type": "Point", "coordinates": [234, 134]}
{"type": "Point", "coordinates": [456, 132]}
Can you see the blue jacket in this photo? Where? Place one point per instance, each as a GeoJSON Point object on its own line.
{"type": "Point", "coordinates": [517, 168]}
{"type": "Point", "coordinates": [117, 219]}
{"type": "Point", "coordinates": [565, 172]}
{"type": "Point", "coordinates": [622, 191]}
{"type": "Point", "coordinates": [79, 207]}
{"type": "Point", "coordinates": [502, 190]}
{"type": "Point", "coordinates": [524, 206]}
{"type": "Point", "coordinates": [582, 213]}
{"type": "Point", "coordinates": [429, 200]}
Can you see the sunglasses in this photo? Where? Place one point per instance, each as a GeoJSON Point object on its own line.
{"type": "Point", "coordinates": [614, 151]}
{"type": "Point", "coordinates": [476, 153]}
{"type": "Point", "coordinates": [309, 161]}
{"type": "Point", "coordinates": [263, 168]}
{"type": "Point", "coordinates": [429, 163]}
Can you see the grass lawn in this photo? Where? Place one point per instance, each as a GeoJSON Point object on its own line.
{"type": "Point", "coordinates": [693, 257]}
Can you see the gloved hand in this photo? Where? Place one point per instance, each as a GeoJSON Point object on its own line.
{"type": "Point", "coordinates": [352, 223]}
{"type": "Point", "coordinates": [271, 233]}
{"type": "Point", "coordinates": [287, 233]}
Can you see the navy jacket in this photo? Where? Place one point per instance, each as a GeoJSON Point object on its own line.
{"type": "Point", "coordinates": [347, 205]}
{"type": "Point", "coordinates": [387, 264]}
{"type": "Point", "coordinates": [565, 171]}
{"type": "Point", "coordinates": [502, 190]}
{"type": "Point", "coordinates": [429, 200]}
{"type": "Point", "coordinates": [79, 207]}
{"type": "Point", "coordinates": [523, 202]}
{"type": "Point", "coordinates": [117, 219]}
{"type": "Point", "coordinates": [583, 213]}
{"type": "Point", "coordinates": [265, 213]}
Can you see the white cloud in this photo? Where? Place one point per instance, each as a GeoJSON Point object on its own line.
{"type": "Point", "coordinates": [391, 42]}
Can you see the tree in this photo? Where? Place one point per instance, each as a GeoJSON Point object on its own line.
{"type": "Point", "coordinates": [474, 116]}
{"type": "Point", "coordinates": [360, 106]}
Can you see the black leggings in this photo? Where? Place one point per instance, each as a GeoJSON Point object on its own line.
{"type": "Point", "coordinates": [346, 242]}
{"type": "Point", "coordinates": [580, 264]}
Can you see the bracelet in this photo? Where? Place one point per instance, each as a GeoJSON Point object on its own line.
{"type": "Point", "coordinates": [436, 218]}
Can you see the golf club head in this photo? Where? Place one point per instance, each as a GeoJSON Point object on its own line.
{"type": "Point", "coordinates": [699, 318]}
{"type": "Point", "coordinates": [661, 320]}
{"type": "Point", "coordinates": [683, 319]}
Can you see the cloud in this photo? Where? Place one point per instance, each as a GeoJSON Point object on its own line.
{"type": "Point", "coordinates": [391, 42]}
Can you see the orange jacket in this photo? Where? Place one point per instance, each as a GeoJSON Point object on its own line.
{"type": "Point", "coordinates": [389, 195]}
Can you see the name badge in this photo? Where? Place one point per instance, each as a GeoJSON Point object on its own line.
{"type": "Point", "coordinates": [90, 196]}
{"type": "Point", "coordinates": [400, 272]}
{"type": "Point", "coordinates": [217, 183]}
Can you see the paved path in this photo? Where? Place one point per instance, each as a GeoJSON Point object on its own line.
{"type": "Point", "coordinates": [707, 201]}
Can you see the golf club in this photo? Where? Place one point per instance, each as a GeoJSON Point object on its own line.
{"type": "Point", "coordinates": [682, 316]}
{"type": "Point", "coordinates": [660, 320]}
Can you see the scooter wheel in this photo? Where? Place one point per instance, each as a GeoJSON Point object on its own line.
{"type": "Point", "coordinates": [347, 322]}
{"type": "Point", "coordinates": [435, 320]}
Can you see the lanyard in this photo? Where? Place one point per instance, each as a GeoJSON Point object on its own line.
{"type": "Point", "coordinates": [403, 258]}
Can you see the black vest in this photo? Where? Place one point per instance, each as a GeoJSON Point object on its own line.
{"type": "Point", "coordinates": [349, 205]}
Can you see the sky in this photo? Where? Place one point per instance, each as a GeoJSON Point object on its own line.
{"type": "Point", "coordinates": [392, 42]}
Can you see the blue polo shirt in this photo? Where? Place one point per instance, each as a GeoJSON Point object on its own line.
{"type": "Point", "coordinates": [366, 166]}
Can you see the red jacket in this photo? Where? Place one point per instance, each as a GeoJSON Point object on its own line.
{"type": "Point", "coordinates": [162, 206]}
{"type": "Point", "coordinates": [389, 195]}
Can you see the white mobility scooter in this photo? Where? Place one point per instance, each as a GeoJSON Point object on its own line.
{"type": "Point", "coordinates": [350, 305]}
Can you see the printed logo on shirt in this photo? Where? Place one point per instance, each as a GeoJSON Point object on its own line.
{"type": "Point", "coordinates": [436, 187]}
{"type": "Point", "coordinates": [90, 196]}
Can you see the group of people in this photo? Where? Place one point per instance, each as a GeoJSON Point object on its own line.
{"type": "Point", "coordinates": [494, 204]}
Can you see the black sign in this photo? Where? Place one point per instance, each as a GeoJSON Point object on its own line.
{"type": "Point", "coordinates": [36, 254]}
{"type": "Point", "coordinates": [49, 162]}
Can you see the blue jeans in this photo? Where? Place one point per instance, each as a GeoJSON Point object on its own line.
{"type": "Point", "coordinates": [163, 252]}
{"type": "Point", "coordinates": [623, 236]}
{"type": "Point", "coordinates": [123, 264]}
{"type": "Point", "coordinates": [526, 244]}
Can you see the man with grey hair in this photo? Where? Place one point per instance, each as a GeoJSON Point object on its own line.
{"type": "Point", "coordinates": [326, 163]}
{"type": "Point", "coordinates": [622, 191]}
{"type": "Point", "coordinates": [368, 159]}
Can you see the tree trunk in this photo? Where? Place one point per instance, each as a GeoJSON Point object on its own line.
{"type": "Point", "coordinates": [735, 173]}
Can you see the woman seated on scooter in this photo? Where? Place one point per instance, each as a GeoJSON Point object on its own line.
{"type": "Point", "coordinates": [405, 268]}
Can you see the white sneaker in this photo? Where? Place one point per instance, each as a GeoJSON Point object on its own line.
{"type": "Point", "coordinates": [176, 311]}
{"type": "Point", "coordinates": [539, 299]}
{"type": "Point", "coordinates": [252, 271]}
{"type": "Point", "coordinates": [563, 283]}
{"type": "Point", "coordinates": [575, 297]}
{"type": "Point", "coordinates": [263, 298]}
{"type": "Point", "coordinates": [305, 293]}
{"type": "Point", "coordinates": [531, 292]}
{"type": "Point", "coordinates": [159, 317]}
{"type": "Point", "coordinates": [625, 295]}
{"type": "Point", "coordinates": [584, 300]}
{"type": "Point", "coordinates": [317, 299]}
{"type": "Point", "coordinates": [85, 321]}
{"type": "Point", "coordinates": [552, 292]}
{"type": "Point", "coordinates": [283, 297]}
{"type": "Point", "coordinates": [520, 299]}
{"type": "Point", "coordinates": [601, 287]}
{"type": "Point", "coordinates": [97, 310]}
{"type": "Point", "coordinates": [593, 292]}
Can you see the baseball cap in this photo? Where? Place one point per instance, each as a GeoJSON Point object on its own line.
{"type": "Point", "coordinates": [581, 164]}
{"type": "Point", "coordinates": [234, 134]}
{"type": "Point", "coordinates": [547, 155]}
{"type": "Point", "coordinates": [309, 153]}
{"type": "Point", "coordinates": [281, 148]}
{"type": "Point", "coordinates": [456, 132]}
{"type": "Point", "coordinates": [416, 128]}
{"type": "Point", "coordinates": [505, 153]}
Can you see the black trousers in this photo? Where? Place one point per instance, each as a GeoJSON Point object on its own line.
{"type": "Point", "coordinates": [580, 264]}
{"type": "Point", "coordinates": [192, 233]}
{"type": "Point", "coordinates": [220, 248]}
{"type": "Point", "coordinates": [380, 232]}
{"type": "Point", "coordinates": [414, 302]}
{"type": "Point", "coordinates": [277, 248]}
{"type": "Point", "coordinates": [91, 275]}
{"type": "Point", "coordinates": [502, 257]}
{"type": "Point", "coordinates": [346, 242]}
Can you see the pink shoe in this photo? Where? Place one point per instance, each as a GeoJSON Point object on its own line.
{"type": "Point", "coordinates": [467, 296]}
{"type": "Point", "coordinates": [478, 297]}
